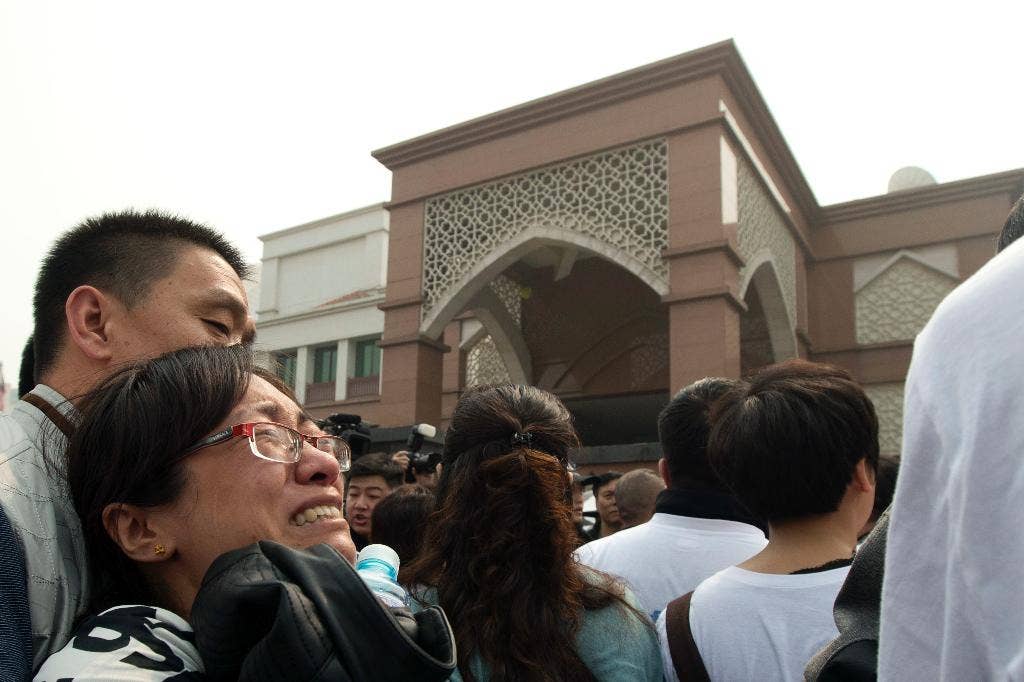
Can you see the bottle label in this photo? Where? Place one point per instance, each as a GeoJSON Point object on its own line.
{"type": "Point", "coordinates": [377, 566]}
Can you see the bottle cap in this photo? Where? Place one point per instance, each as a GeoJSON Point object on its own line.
{"type": "Point", "coordinates": [381, 553]}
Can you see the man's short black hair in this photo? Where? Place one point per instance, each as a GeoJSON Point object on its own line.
{"type": "Point", "coordinates": [120, 253]}
{"type": "Point", "coordinates": [378, 464]}
{"type": "Point", "coordinates": [26, 373]}
{"type": "Point", "coordinates": [1014, 226]}
{"type": "Point", "coordinates": [598, 481]}
{"type": "Point", "coordinates": [788, 439]}
{"type": "Point", "coordinates": [885, 484]}
{"type": "Point", "coordinates": [683, 428]}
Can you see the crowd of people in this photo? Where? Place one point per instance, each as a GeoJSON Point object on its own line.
{"type": "Point", "coordinates": [169, 511]}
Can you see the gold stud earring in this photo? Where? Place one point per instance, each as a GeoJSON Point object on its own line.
{"type": "Point", "coordinates": [159, 550]}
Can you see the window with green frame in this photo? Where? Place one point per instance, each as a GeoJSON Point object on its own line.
{"type": "Point", "coordinates": [367, 358]}
{"type": "Point", "coordinates": [325, 364]}
{"type": "Point", "coordinates": [284, 366]}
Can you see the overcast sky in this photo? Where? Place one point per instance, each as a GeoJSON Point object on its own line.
{"type": "Point", "coordinates": [256, 116]}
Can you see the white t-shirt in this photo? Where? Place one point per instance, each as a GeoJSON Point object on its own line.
{"type": "Point", "coordinates": [143, 643]}
{"type": "Point", "coordinates": [952, 598]}
{"type": "Point", "coordinates": [669, 555]}
{"type": "Point", "coordinates": [759, 626]}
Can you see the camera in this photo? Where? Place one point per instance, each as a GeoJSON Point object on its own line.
{"type": "Point", "coordinates": [420, 462]}
{"type": "Point", "coordinates": [348, 427]}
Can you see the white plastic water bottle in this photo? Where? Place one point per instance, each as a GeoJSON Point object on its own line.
{"type": "Point", "coordinates": [378, 565]}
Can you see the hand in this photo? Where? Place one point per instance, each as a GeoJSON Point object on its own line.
{"type": "Point", "coordinates": [401, 458]}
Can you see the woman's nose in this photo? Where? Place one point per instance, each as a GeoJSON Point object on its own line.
{"type": "Point", "coordinates": [317, 466]}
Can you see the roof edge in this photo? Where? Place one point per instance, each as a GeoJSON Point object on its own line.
{"type": "Point", "coordinates": [1010, 182]}
{"type": "Point", "coordinates": [722, 58]}
{"type": "Point", "coordinates": [687, 66]}
{"type": "Point", "coordinates": [324, 221]}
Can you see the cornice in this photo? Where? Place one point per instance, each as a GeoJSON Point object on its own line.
{"type": "Point", "coordinates": [373, 301]}
{"type": "Point", "coordinates": [748, 97]}
{"type": "Point", "coordinates": [721, 59]}
{"type": "Point", "coordinates": [659, 75]}
{"type": "Point", "coordinates": [726, 246]}
{"type": "Point", "coordinates": [420, 339]}
{"type": "Point", "coordinates": [391, 304]}
{"type": "Point", "coordinates": [1010, 183]}
{"type": "Point", "coordinates": [320, 222]}
{"type": "Point", "coordinates": [864, 347]}
{"type": "Point", "coordinates": [724, 292]}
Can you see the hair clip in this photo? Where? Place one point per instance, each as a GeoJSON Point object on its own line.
{"type": "Point", "coordinates": [520, 438]}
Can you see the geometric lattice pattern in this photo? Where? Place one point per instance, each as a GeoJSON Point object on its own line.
{"type": "Point", "coordinates": [896, 304]}
{"type": "Point", "coordinates": [507, 292]}
{"type": "Point", "coordinates": [762, 229]}
{"type": "Point", "coordinates": [647, 359]}
{"type": "Point", "coordinates": [618, 197]}
{"type": "Point", "coordinates": [484, 364]}
{"type": "Point", "coordinates": [888, 401]}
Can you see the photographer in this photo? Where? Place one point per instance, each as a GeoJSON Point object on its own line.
{"type": "Point", "coordinates": [420, 468]}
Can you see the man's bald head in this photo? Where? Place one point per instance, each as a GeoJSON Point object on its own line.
{"type": "Point", "coordinates": [636, 494]}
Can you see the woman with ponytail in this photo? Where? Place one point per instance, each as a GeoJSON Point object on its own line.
{"type": "Point", "coordinates": [498, 555]}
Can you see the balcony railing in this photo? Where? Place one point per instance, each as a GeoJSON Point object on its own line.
{"type": "Point", "coordinates": [320, 392]}
{"type": "Point", "coordinates": [363, 387]}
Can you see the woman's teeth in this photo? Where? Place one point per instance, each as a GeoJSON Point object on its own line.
{"type": "Point", "coordinates": [313, 513]}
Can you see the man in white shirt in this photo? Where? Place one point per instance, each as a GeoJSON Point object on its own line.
{"type": "Point", "coordinates": [798, 443]}
{"type": "Point", "coordinates": [697, 528]}
{"type": "Point", "coordinates": [952, 603]}
{"type": "Point", "coordinates": [112, 290]}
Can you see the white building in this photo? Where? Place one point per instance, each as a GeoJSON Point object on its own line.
{"type": "Point", "coordinates": [317, 315]}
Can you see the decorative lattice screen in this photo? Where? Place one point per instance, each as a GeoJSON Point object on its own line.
{"type": "Point", "coordinates": [888, 400]}
{"type": "Point", "coordinates": [618, 197]}
{"type": "Point", "coordinates": [507, 292]}
{"type": "Point", "coordinates": [897, 304]}
{"type": "Point", "coordinates": [762, 228]}
{"type": "Point", "coordinates": [484, 364]}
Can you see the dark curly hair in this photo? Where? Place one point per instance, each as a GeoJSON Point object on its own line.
{"type": "Point", "coordinates": [499, 545]}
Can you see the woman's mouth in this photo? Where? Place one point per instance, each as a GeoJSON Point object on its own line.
{"type": "Point", "coordinates": [314, 514]}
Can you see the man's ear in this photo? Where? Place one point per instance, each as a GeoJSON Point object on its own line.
{"type": "Point", "coordinates": [88, 311]}
{"type": "Point", "coordinates": [864, 476]}
{"type": "Point", "coordinates": [135, 530]}
{"type": "Point", "coordinates": [665, 474]}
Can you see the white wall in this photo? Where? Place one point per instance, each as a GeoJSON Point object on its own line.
{"type": "Point", "coordinates": [311, 278]}
{"type": "Point", "coordinates": [307, 267]}
{"type": "Point", "coordinates": [305, 270]}
{"type": "Point", "coordinates": [312, 330]}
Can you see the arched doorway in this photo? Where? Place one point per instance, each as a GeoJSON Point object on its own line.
{"type": "Point", "coordinates": [591, 332]}
{"type": "Point", "coordinates": [766, 332]}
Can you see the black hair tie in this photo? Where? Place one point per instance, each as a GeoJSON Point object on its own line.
{"type": "Point", "coordinates": [520, 439]}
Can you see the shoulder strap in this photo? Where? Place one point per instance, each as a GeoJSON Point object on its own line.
{"type": "Point", "coordinates": [51, 412]}
{"type": "Point", "coordinates": [685, 656]}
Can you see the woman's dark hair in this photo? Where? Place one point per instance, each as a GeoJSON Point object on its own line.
{"type": "Point", "coordinates": [499, 545]}
{"type": "Point", "coordinates": [128, 445]}
{"type": "Point", "coordinates": [885, 484]}
{"type": "Point", "coordinates": [787, 439]}
{"type": "Point", "coordinates": [400, 522]}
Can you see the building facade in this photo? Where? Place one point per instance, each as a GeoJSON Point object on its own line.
{"type": "Point", "coordinates": [317, 316]}
{"type": "Point", "coordinates": [615, 242]}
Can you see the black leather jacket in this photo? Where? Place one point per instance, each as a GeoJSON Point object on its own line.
{"type": "Point", "coordinates": [269, 612]}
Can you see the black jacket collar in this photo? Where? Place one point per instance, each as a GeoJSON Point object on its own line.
{"type": "Point", "coordinates": [703, 503]}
